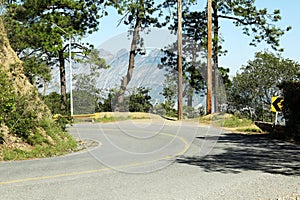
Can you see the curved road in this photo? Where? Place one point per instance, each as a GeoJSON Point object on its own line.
{"type": "Point", "coordinates": [158, 160]}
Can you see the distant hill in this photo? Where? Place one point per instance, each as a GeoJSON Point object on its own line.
{"type": "Point", "coordinates": [145, 74]}
{"type": "Point", "coordinates": [154, 38]}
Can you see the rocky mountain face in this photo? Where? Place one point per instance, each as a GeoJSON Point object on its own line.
{"type": "Point", "coordinates": [145, 73]}
{"type": "Point", "coordinates": [12, 67]}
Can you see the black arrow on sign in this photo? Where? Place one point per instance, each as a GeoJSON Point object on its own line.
{"type": "Point", "coordinates": [276, 103]}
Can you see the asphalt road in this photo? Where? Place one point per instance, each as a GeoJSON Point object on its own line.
{"type": "Point", "coordinates": [159, 160]}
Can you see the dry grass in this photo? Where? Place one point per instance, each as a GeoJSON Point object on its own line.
{"type": "Point", "coordinates": [129, 115]}
{"type": "Point", "coordinates": [114, 116]}
{"type": "Point", "coordinates": [231, 123]}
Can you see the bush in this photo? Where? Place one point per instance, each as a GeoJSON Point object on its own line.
{"type": "Point", "coordinates": [137, 101]}
{"type": "Point", "coordinates": [53, 101]}
{"type": "Point", "coordinates": [108, 103]}
{"type": "Point", "coordinates": [62, 121]}
{"type": "Point", "coordinates": [16, 111]}
{"type": "Point", "coordinates": [27, 121]}
{"type": "Point", "coordinates": [165, 109]}
{"type": "Point", "coordinates": [291, 108]}
{"type": "Point", "coordinates": [191, 112]}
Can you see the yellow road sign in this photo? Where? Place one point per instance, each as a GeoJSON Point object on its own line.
{"type": "Point", "coordinates": [276, 105]}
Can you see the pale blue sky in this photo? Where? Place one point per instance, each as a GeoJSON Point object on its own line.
{"type": "Point", "coordinates": [239, 52]}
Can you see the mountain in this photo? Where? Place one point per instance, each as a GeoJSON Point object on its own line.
{"type": "Point", "coordinates": [152, 38]}
{"type": "Point", "coordinates": [145, 73]}
{"type": "Point", "coordinates": [116, 53]}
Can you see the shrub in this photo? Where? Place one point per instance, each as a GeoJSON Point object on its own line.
{"type": "Point", "coordinates": [15, 110]}
{"type": "Point", "coordinates": [291, 108]}
{"type": "Point", "coordinates": [139, 100]}
{"type": "Point", "coordinates": [53, 100]}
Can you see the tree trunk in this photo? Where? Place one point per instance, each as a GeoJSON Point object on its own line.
{"type": "Point", "coordinates": [63, 90]}
{"type": "Point", "coordinates": [126, 79]}
{"type": "Point", "coordinates": [190, 95]}
{"type": "Point", "coordinates": [215, 55]}
{"type": "Point", "coordinates": [45, 87]}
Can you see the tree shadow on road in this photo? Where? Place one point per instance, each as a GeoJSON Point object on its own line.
{"type": "Point", "coordinates": [235, 153]}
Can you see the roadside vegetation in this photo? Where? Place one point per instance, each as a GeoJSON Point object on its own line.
{"type": "Point", "coordinates": [25, 132]}
{"type": "Point", "coordinates": [231, 122]}
{"type": "Point", "coordinates": [27, 129]}
{"type": "Point", "coordinates": [105, 117]}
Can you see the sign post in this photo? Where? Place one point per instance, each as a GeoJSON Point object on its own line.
{"type": "Point", "coordinates": [276, 106]}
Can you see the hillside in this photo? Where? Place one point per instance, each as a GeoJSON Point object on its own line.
{"type": "Point", "coordinates": [145, 74]}
{"type": "Point", "coordinates": [26, 125]}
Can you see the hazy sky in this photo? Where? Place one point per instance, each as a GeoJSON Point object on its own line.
{"type": "Point", "coordinates": [239, 52]}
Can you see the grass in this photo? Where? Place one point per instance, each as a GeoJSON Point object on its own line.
{"type": "Point", "coordinates": [105, 117]}
{"type": "Point", "coordinates": [249, 130]}
{"type": "Point", "coordinates": [39, 151]}
{"type": "Point", "coordinates": [231, 122]}
{"type": "Point", "coordinates": [234, 122]}
{"type": "Point", "coordinates": [47, 141]}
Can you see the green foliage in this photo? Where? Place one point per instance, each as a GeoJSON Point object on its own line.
{"type": "Point", "coordinates": [41, 151]}
{"type": "Point", "coordinates": [37, 139]}
{"type": "Point", "coordinates": [94, 62]}
{"type": "Point", "coordinates": [224, 74]}
{"type": "Point", "coordinates": [39, 32]}
{"type": "Point", "coordinates": [85, 93]}
{"type": "Point", "coordinates": [192, 68]}
{"type": "Point", "coordinates": [291, 108]}
{"type": "Point", "coordinates": [164, 109]}
{"type": "Point", "coordinates": [22, 120]}
{"type": "Point", "coordinates": [139, 100]}
{"type": "Point", "coordinates": [52, 100]}
{"type": "Point", "coordinates": [254, 87]}
{"type": "Point", "coordinates": [194, 24]}
{"type": "Point", "coordinates": [84, 102]}
{"type": "Point", "coordinates": [7, 96]}
{"type": "Point", "coordinates": [169, 92]}
{"type": "Point", "coordinates": [249, 130]}
{"type": "Point", "coordinates": [36, 69]}
{"type": "Point", "coordinates": [14, 154]}
{"type": "Point", "coordinates": [108, 103]}
{"type": "Point", "coordinates": [229, 121]}
{"type": "Point", "coordinates": [139, 15]}
{"type": "Point", "coordinates": [132, 11]}
{"type": "Point", "coordinates": [257, 23]}
{"type": "Point", "coordinates": [63, 121]}
{"type": "Point", "coordinates": [111, 118]}
{"type": "Point", "coordinates": [235, 121]}
{"type": "Point", "coordinates": [191, 112]}
{"type": "Point", "coordinates": [48, 140]}
{"type": "Point", "coordinates": [16, 110]}
{"type": "Point", "coordinates": [62, 117]}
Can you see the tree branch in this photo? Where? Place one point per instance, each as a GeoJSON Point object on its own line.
{"type": "Point", "coordinates": [237, 19]}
